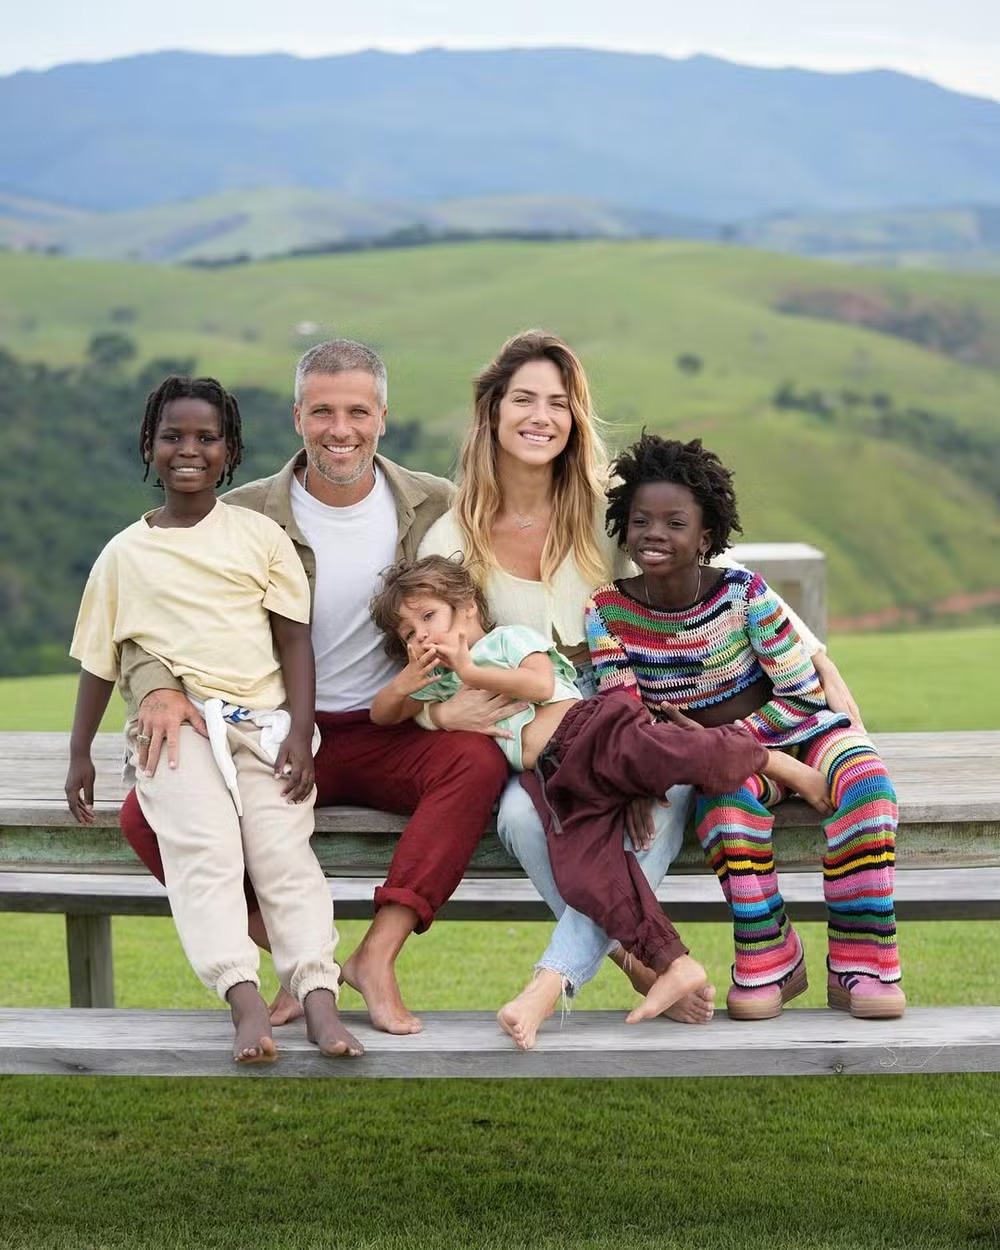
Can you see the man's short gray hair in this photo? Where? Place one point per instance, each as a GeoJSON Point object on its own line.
{"type": "Point", "coordinates": [342, 356]}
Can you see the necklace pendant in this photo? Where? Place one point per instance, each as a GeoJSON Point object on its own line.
{"type": "Point", "coordinates": [524, 523]}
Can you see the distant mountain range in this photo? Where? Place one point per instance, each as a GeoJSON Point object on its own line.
{"type": "Point", "coordinates": [700, 139]}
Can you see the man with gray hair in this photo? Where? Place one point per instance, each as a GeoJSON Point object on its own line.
{"type": "Point", "coordinates": [351, 513]}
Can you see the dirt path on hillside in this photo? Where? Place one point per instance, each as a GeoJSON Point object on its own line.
{"type": "Point", "coordinates": [954, 605]}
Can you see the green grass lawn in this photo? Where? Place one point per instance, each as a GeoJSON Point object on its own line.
{"type": "Point", "coordinates": [861, 1163]}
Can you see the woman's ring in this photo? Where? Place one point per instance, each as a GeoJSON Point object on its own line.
{"type": "Point", "coordinates": [143, 739]}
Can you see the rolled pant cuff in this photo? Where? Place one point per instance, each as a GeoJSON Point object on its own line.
{"type": "Point", "coordinates": [234, 976]}
{"type": "Point", "coordinates": [406, 898]}
{"type": "Point", "coordinates": [319, 980]}
{"type": "Point", "coordinates": [569, 985]}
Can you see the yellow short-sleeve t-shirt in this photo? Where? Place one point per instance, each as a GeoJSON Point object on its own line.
{"type": "Point", "coordinates": [197, 599]}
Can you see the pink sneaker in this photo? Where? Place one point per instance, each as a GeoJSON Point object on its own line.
{"type": "Point", "coordinates": [764, 1002]}
{"type": "Point", "coordinates": [865, 997]}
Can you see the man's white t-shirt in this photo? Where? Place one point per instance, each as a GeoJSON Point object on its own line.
{"type": "Point", "coordinates": [352, 545]}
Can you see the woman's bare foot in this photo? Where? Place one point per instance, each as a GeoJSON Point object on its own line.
{"type": "Point", "coordinates": [253, 1042]}
{"type": "Point", "coordinates": [375, 981]}
{"type": "Point", "coordinates": [285, 1008]}
{"type": "Point", "coordinates": [695, 1008]}
{"type": "Point", "coordinates": [324, 1029]}
{"type": "Point", "coordinates": [522, 1016]}
{"type": "Point", "coordinates": [684, 976]}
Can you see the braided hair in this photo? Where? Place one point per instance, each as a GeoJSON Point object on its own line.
{"type": "Point", "coordinates": [655, 459]}
{"type": "Point", "coordinates": [176, 387]}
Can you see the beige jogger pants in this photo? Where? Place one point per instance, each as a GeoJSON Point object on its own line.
{"type": "Point", "coordinates": [205, 847]}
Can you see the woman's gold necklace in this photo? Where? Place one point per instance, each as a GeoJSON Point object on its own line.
{"type": "Point", "coordinates": [697, 593]}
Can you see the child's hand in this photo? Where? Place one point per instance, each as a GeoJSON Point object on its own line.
{"type": "Point", "coordinates": [295, 766]}
{"type": "Point", "coordinates": [456, 656]}
{"type": "Point", "coordinates": [80, 788]}
{"type": "Point", "coordinates": [419, 669]}
{"type": "Point", "coordinates": [676, 717]}
{"type": "Point", "coordinates": [810, 784]}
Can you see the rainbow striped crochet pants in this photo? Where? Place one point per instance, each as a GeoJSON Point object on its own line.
{"type": "Point", "coordinates": [735, 833]}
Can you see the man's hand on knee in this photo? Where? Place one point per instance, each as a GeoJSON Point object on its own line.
{"type": "Point", "coordinates": [161, 714]}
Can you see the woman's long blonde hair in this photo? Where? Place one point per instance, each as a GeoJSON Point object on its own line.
{"type": "Point", "coordinates": [579, 473]}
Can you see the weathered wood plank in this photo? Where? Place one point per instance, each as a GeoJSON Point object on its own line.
{"type": "Point", "coordinates": [469, 1044]}
{"type": "Point", "coordinates": [91, 965]}
{"type": "Point", "coordinates": [921, 894]}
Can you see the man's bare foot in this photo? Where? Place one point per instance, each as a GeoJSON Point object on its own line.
{"type": "Point", "coordinates": [684, 976]}
{"type": "Point", "coordinates": [695, 1008]}
{"type": "Point", "coordinates": [375, 981]}
{"type": "Point", "coordinates": [285, 1008]}
{"type": "Point", "coordinates": [324, 1029]}
{"type": "Point", "coordinates": [253, 1042]}
{"type": "Point", "coordinates": [522, 1016]}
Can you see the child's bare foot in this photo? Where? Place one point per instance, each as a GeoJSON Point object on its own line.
{"type": "Point", "coordinates": [375, 981]}
{"type": "Point", "coordinates": [253, 1042]}
{"type": "Point", "coordinates": [522, 1016]}
{"type": "Point", "coordinates": [285, 1008]}
{"type": "Point", "coordinates": [324, 1029]}
{"type": "Point", "coordinates": [695, 1008]}
{"type": "Point", "coordinates": [684, 976]}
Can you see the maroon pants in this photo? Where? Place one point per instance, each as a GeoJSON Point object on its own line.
{"type": "Point", "coordinates": [606, 752]}
{"type": "Point", "coordinates": [446, 782]}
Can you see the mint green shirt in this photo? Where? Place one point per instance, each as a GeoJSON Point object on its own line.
{"type": "Point", "coordinates": [505, 647]}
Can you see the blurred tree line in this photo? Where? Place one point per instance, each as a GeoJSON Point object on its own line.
{"type": "Point", "coordinates": [71, 476]}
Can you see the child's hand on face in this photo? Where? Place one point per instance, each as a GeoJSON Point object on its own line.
{"type": "Point", "coordinates": [456, 656]}
{"type": "Point", "coordinates": [419, 669]}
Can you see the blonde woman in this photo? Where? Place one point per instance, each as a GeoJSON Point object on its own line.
{"type": "Point", "coordinates": [529, 520]}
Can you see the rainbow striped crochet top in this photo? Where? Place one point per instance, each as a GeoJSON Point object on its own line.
{"type": "Point", "coordinates": [735, 634]}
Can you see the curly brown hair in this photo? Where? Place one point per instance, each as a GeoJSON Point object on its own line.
{"type": "Point", "coordinates": [442, 577]}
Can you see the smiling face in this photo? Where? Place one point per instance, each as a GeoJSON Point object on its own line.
{"type": "Point", "coordinates": [425, 621]}
{"type": "Point", "coordinates": [666, 532]}
{"type": "Point", "coordinates": [534, 420]}
{"type": "Point", "coordinates": [188, 450]}
{"type": "Point", "coordinates": [340, 419]}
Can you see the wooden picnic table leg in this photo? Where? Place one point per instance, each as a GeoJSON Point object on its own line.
{"type": "Point", "coordinates": [91, 966]}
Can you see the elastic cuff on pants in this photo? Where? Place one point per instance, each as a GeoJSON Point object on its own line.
{"type": "Point", "coordinates": [666, 955]}
{"type": "Point", "coordinates": [319, 980]}
{"type": "Point", "coordinates": [406, 898]}
{"type": "Point", "coordinates": [234, 976]}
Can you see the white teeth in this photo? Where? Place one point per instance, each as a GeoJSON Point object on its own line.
{"type": "Point", "coordinates": [536, 438]}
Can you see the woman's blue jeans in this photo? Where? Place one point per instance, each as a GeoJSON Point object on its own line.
{"type": "Point", "coordinates": [578, 946]}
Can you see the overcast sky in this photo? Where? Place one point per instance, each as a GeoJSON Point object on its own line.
{"type": "Point", "coordinates": [953, 42]}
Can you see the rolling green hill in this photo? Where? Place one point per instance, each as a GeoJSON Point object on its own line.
{"type": "Point", "coordinates": [888, 458]}
{"type": "Point", "coordinates": [274, 221]}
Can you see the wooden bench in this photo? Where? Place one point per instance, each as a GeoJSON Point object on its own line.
{"type": "Point", "coordinates": [949, 867]}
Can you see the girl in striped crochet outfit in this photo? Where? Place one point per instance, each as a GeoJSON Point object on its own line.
{"type": "Point", "coordinates": [716, 643]}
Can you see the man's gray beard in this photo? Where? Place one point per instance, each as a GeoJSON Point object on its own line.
{"type": "Point", "coordinates": [367, 467]}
